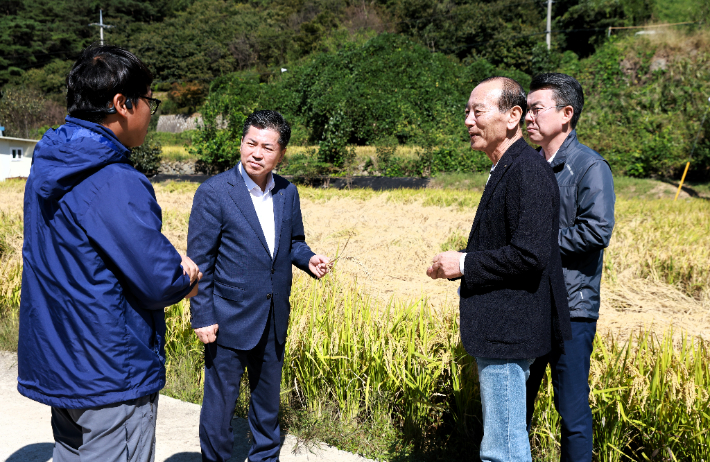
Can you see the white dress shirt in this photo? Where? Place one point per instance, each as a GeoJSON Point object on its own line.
{"type": "Point", "coordinates": [264, 206]}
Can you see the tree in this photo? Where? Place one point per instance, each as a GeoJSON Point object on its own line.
{"type": "Point", "coordinates": [24, 110]}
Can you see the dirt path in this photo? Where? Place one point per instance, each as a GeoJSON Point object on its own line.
{"type": "Point", "coordinates": [26, 434]}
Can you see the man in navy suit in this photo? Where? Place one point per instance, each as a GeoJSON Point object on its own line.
{"type": "Point", "coordinates": [245, 233]}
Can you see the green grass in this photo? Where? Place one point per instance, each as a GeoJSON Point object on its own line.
{"type": "Point", "coordinates": [464, 181]}
{"type": "Point", "coordinates": [177, 139]}
{"type": "Point", "coordinates": [173, 153]}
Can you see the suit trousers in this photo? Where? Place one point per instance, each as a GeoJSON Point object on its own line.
{"type": "Point", "coordinates": [570, 384]}
{"type": "Point", "coordinates": [224, 368]}
{"type": "Point", "coordinates": [120, 432]}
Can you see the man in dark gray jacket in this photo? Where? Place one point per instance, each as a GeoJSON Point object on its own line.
{"type": "Point", "coordinates": [587, 199]}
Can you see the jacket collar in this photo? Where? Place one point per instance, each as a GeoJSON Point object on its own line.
{"type": "Point", "coordinates": [242, 198]}
{"type": "Point", "coordinates": [108, 135]}
{"type": "Point", "coordinates": [504, 163]}
{"type": "Point", "coordinates": [561, 156]}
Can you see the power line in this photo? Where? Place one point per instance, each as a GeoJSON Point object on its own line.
{"type": "Point", "coordinates": [474, 44]}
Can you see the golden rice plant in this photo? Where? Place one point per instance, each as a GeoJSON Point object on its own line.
{"type": "Point", "coordinates": [184, 354]}
{"type": "Point", "coordinates": [663, 241]}
{"type": "Point", "coordinates": [649, 395]}
{"type": "Point", "coordinates": [651, 398]}
{"type": "Point", "coordinates": [403, 360]}
{"type": "Point", "coordinates": [345, 348]}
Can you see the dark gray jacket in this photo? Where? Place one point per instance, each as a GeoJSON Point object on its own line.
{"type": "Point", "coordinates": [586, 222]}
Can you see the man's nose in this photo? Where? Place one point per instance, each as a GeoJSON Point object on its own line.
{"type": "Point", "coordinates": [470, 121]}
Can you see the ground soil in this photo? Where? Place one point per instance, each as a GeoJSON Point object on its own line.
{"type": "Point", "coordinates": [390, 246]}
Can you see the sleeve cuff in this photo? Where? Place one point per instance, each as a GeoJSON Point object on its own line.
{"type": "Point", "coordinates": [462, 261]}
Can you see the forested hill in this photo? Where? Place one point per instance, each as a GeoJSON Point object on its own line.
{"type": "Point", "coordinates": [202, 39]}
{"type": "Point", "coordinates": [381, 72]}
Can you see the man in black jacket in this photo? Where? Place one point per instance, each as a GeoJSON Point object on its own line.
{"type": "Point", "coordinates": [586, 223]}
{"type": "Point", "coordinates": [513, 300]}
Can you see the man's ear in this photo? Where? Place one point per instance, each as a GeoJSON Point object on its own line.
{"type": "Point", "coordinates": [281, 157]}
{"type": "Point", "coordinates": [567, 114]}
{"type": "Point", "coordinates": [119, 102]}
{"type": "Point", "coordinates": [515, 117]}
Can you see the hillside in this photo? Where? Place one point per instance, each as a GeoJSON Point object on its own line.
{"type": "Point", "coordinates": [645, 101]}
{"type": "Point", "coordinates": [410, 63]}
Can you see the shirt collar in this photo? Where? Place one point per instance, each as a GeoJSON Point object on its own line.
{"type": "Point", "coordinates": [251, 184]}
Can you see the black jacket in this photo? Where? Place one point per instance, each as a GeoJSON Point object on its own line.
{"type": "Point", "coordinates": [513, 297]}
{"type": "Point", "coordinates": [586, 222]}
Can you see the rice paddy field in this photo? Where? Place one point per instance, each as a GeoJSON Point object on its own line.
{"type": "Point", "coordinates": [374, 363]}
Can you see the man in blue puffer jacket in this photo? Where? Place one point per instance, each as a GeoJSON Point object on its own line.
{"type": "Point", "coordinates": [97, 272]}
{"type": "Point", "coordinates": [587, 199]}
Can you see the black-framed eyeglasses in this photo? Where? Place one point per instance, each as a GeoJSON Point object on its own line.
{"type": "Point", "coordinates": [535, 111]}
{"type": "Point", "coordinates": [154, 103]}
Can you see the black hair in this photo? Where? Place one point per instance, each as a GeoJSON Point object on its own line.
{"type": "Point", "coordinates": [512, 95]}
{"type": "Point", "coordinates": [565, 90]}
{"type": "Point", "coordinates": [271, 120]}
{"type": "Point", "coordinates": [98, 75]}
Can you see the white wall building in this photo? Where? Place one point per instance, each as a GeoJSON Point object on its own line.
{"type": "Point", "coordinates": [15, 157]}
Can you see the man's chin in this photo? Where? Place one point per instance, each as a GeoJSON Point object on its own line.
{"type": "Point", "coordinates": [534, 135]}
{"type": "Point", "coordinates": [253, 171]}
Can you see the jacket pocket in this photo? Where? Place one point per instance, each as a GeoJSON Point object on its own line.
{"type": "Point", "coordinates": [568, 205]}
{"type": "Point", "coordinates": [228, 292]}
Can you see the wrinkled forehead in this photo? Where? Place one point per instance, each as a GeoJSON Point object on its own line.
{"type": "Point", "coordinates": [485, 96]}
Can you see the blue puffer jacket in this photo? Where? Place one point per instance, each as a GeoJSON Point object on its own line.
{"type": "Point", "coordinates": [586, 222]}
{"type": "Point", "coordinates": [97, 274]}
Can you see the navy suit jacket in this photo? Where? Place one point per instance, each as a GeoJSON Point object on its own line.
{"type": "Point", "coordinates": [240, 279]}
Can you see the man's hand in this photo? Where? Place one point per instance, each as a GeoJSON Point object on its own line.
{"type": "Point", "coordinates": [318, 265]}
{"type": "Point", "coordinates": [194, 290]}
{"type": "Point", "coordinates": [445, 265]}
{"type": "Point", "coordinates": [190, 268]}
{"type": "Point", "coordinates": [207, 334]}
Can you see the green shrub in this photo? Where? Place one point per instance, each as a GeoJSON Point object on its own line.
{"type": "Point", "coordinates": [387, 88]}
{"type": "Point", "coordinates": [305, 167]}
{"type": "Point", "coordinates": [146, 157]}
{"type": "Point", "coordinates": [218, 149]}
{"type": "Point", "coordinates": [333, 148]}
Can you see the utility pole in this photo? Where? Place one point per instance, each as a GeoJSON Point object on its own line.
{"type": "Point", "coordinates": [549, 24]}
{"type": "Point", "coordinates": [103, 26]}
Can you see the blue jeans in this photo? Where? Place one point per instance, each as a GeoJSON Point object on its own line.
{"type": "Point", "coordinates": [505, 437]}
{"type": "Point", "coordinates": [570, 383]}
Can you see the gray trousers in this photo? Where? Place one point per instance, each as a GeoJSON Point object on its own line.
{"type": "Point", "coordinates": [120, 432]}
